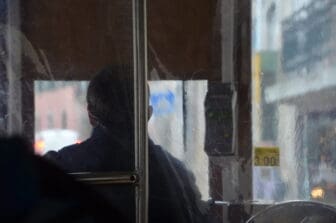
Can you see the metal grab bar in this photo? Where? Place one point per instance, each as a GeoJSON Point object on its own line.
{"type": "Point", "coordinates": [107, 178]}
{"type": "Point", "coordinates": [228, 203]}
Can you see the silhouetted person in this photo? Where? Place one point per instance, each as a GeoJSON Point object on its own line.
{"type": "Point", "coordinates": [110, 110]}
{"type": "Point", "coordinates": [33, 190]}
{"type": "Point", "coordinates": [173, 196]}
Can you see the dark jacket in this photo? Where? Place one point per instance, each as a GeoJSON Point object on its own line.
{"type": "Point", "coordinates": [173, 196]}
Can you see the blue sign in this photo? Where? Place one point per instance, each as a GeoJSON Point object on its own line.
{"type": "Point", "coordinates": [162, 102]}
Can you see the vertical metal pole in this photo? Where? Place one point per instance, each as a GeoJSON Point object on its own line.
{"type": "Point", "coordinates": [242, 67]}
{"type": "Point", "coordinates": [14, 67]}
{"type": "Point", "coordinates": [140, 109]}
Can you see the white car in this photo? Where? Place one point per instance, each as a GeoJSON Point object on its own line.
{"type": "Point", "coordinates": [54, 139]}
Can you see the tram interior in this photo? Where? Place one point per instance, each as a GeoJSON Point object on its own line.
{"type": "Point", "coordinates": [242, 92]}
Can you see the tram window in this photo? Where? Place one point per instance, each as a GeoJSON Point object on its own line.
{"type": "Point", "coordinates": [294, 113]}
{"type": "Point", "coordinates": [178, 124]}
{"type": "Point", "coordinates": [178, 111]}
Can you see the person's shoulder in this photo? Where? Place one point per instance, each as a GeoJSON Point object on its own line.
{"type": "Point", "coordinates": [67, 156]}
{"type": "Point", "coordinates": [65, 151]}
{"type": "Point", "coordinates": [179, 176]}
{"type": "Point", "coordinates": [163, 157]}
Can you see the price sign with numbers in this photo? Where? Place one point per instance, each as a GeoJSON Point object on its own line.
{"type": "Point", "coordinates": [266, 156]}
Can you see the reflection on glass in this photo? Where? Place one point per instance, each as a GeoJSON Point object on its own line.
{"type": "Point", "coordinates": [294, 99]}
{"type": "Point", "coordinates": [59, 123]}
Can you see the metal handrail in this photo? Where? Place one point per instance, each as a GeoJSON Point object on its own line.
{"type": "Point", "coordinates": [108, 178]}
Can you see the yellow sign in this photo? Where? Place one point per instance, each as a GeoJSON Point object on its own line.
{"type": "Point", "coordinates": [266, 156]}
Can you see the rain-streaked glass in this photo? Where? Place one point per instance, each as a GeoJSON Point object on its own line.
{"type": "Point", "coordinates": [293, 87]}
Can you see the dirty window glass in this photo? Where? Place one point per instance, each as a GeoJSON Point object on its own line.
{"type": "Point", "coordinates": [294, 131]}
{"type": "Point", "coordinates": [66, 77]}
{"type": "Point", "coordinates": [177, 109]}
{"type": "Point", "coordinates": [50, 53]}
{"type": "Point", "coordinates": [194, 100]}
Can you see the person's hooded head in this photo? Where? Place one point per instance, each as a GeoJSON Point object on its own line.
{"type": "Point", "coordinates": [110, 99]}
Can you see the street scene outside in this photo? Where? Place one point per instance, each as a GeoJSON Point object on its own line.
{"type": "Point", "coordinates": [294, 90]}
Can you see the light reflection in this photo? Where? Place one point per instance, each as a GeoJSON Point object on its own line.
{"type": "Point", "coordinates": [317, 193]}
